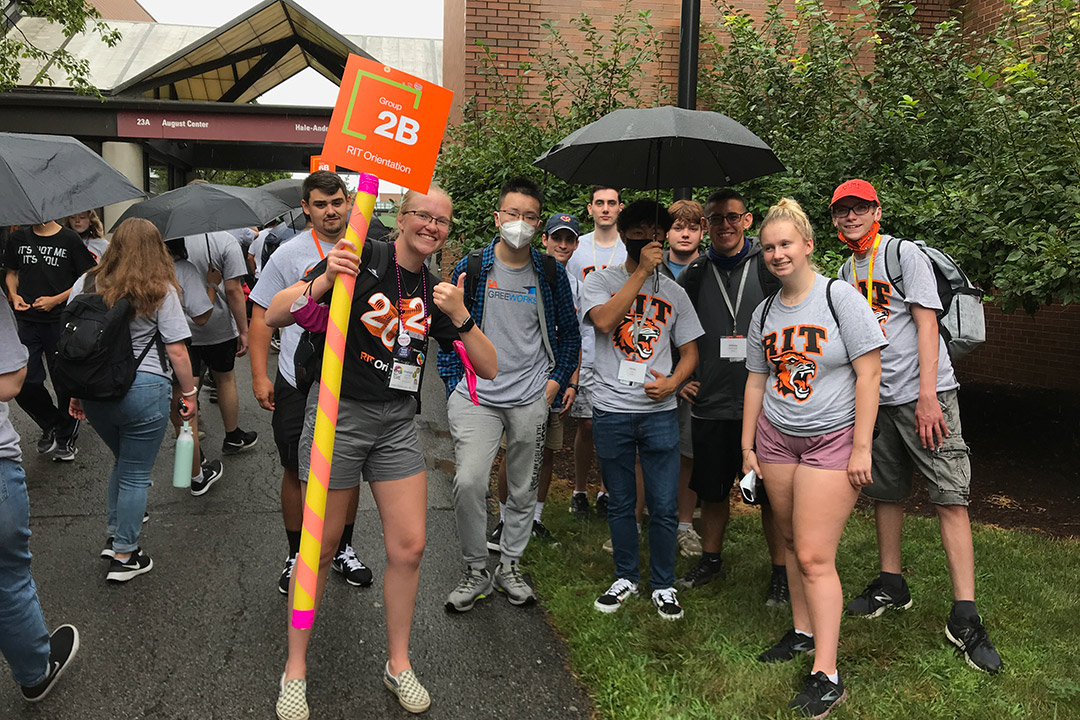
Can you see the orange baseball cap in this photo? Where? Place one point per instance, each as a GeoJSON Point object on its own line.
{"type": "Point", "coordinates": [855, 188]}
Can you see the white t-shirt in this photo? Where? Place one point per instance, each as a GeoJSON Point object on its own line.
{"type": "Point", "coordinates": [589, 257]}
{"type": "Point", "coordinates": [667, 318]}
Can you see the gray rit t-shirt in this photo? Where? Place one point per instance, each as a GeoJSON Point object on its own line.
{"type": "Point", "coordinates": [588, 258]}
{"type": "Point", "coordinates": [168, 320]}
{"type": "Point", "coordinates": [669, 320]}
{"type": "Point", "coordinates": [811, 385]}
{"type": "Point", "coordinates": [288, 266]}
{"type": "Point", "coordinates": [900, 361]}
{"type": "Point", "coordinates": [224, 249]}
{"type": "Point", "coordinates": [512, 323]}
{"type": "Point", "coordinates": [13, 356]}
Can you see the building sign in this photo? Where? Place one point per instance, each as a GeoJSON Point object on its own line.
{"type": "Point", "coordinates": [317, 163]}
{"type": "Point", "coordinates": [304, 129]}
{"type": "Point", "coordinates": [388, 123]}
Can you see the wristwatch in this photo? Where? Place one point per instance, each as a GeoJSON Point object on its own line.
{"type": "Point", "coordinates": [466, 326]}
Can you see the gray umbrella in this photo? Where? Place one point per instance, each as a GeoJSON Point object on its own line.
{"type": "Point", "coordinates": [660, 147]}
{"type": "Point", "coordinates": [48, 177]}
{"type": "Point", "coordinates": [287, 190]}
{"type": "Point", "coordinates": [205, 207]}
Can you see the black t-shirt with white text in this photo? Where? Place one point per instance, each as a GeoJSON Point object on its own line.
{"type": "Point", "coordinates": [373, 329]}
{"type": "Point", "coordinates": [47, 265]}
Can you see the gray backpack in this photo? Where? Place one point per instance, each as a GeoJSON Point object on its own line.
{"type": "Point", "coordinates": [961, 322]}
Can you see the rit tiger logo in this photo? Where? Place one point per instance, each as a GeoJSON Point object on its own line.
{"type": "Point", "coordinates": [881, 293]}
{"type": "Point", "coordinates": [795, 370]}
{"type": "Point", "coordinates": [651, 327]}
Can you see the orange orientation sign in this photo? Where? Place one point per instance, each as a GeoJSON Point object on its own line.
{"type": "Point", "coordinates": [388, 123]}
{"type": "Point", "coordinates": [317, 163]}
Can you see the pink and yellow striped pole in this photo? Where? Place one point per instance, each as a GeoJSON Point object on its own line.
{"type": "Point", "coordinates": [306, 571]}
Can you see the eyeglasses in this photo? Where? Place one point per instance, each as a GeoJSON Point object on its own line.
{"type": "Point", "coordinates": [841, 211]}
{"type": "Point", "coordinates": [531, 218]}
{"type": "Point", "coordinates": [443, 223]}
{"type": "Point", "coordinates": [731, 218]}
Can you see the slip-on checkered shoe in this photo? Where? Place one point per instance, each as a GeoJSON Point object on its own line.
{"type": "Point", "coordinates": [410, 693]}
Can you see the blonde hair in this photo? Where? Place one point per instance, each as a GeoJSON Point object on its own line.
{"type": "Point", "coordinates": [97, 230]}
{"type": "Point", "coordinates": [411, 198]}
{"type": "Point", "coordinates": [789, 210]}
{"type": "Point", "coordinates": [136, 266]}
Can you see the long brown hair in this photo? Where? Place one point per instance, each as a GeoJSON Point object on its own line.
{"type": "Point", "coordinates": [137, 266]}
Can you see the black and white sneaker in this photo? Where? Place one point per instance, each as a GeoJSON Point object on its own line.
{"type": "Point", "coordinates": [286, 575]}
{"type": "Point", "coordinates": [65, 452]}
{"type": "Point", "coordinates": [791, 645]}
{"type": "Point", "coordinates": [971, 640]}
{"type": "Point", "coordinates": [541, 533]}
{"type": "Point", "coordinates": [63, 646]}
{"type": "Point", "coordinates": [124, 570]}
{"type": "Point", "coordinates": [601, 505]}
{"type": "Point", "coordinates": [107, 553]}
{"type": "Point", "coordinates": [212, 471]}
{"type": "Point", "coordinates": [778, 594]}
{"type": "Point", "coordinates": [239, 442]}
{"type": "Point", "coordinates": [615, 596]}
{"type": "Point", "coordinates": [47, 442]}
{"type": "Point", "coordinates": [819, 696]}
{"type": "Point", "coordinates": [877, 598]}
{"type": "Point", "coordinates": [579, 504]}
{"type": "Point", "coordinates": [667, 604]}
{"type": "Point", "coordinates": [356, 573]}
{"type": "Point", "coordinates": [494, 538]}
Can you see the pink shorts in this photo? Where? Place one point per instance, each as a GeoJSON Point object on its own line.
{"type": "Point", "coordinates": [830, 451]}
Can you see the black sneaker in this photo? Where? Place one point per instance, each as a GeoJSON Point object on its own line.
{"type": "Point", "coordinates": [356, 573]}
{"type": "Point", "coordinates": [212, 471]}
{"type": "Point", "coordinates": [819, 696]}
{"type": "Point", "coordinates": [47, 442]}
{"type": "Point", "coordinates": [615, 596]}
{"type": "Point", "coordinates": [579, 504]}
{"type": "Point", "coordinates": [145, 517]}
{"type": "Point", "coordinates": [494, 538]}
{"type": "Point", "coordinates": [778, 594]}
{"type": "Point", "coordinates": [791, 645]}
{"type": "Point", "coordinates": [65, 452]}
{"type": "Point", "coordinates": [876, 599]}
{"type": "Point", "coordinates": [701, 574]}
{"type": "Point", "coordinates": [601, 505]}
{"type": "Point", "coordinates": [124, 570]}
{"type": "Point", "coordinates": [970, 638]}
{"type": "Point", "coordinates": [63, 645]}
{"type": "Point", "coordinates": [667, 604]}
{"type": "Point", "coordinates": [243, 441]}
{"type": "Point", "coordinates": [107, 553]}
{"type": "Point", "coordinates": [286, 575]}
{"type": "Point", "coordinates": [541, 533]}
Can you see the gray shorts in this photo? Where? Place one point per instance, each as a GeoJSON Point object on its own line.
{"type": "Point", "coordinates": [898, 450]}
{"type": "Point", "coordinates": [375, 441]}
{"type": "Point", "coordinates": [686, 435]}
{"type": "Point", "coordinates": [582, 407]}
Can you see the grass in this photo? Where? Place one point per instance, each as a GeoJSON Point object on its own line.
{"type": "Point", "coordinates": [899, 666]}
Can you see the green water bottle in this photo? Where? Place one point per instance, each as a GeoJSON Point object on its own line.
{"type": "Point", "coordinates": [185, 452]}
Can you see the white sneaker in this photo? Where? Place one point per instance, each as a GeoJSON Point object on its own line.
{"type": "Point", "coordinates": [475, 584]}
{"type": "Point", "coordinates": [615, 596]}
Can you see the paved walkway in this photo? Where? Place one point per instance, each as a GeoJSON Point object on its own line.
{"type": "Point", "coordinates": [203, 634]}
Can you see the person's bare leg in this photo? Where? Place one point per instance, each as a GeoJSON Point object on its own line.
{"type": "Point", "coordinates": [354, 503]}
{"type": "Point", "coordinates": [228, 399]}
{"type": "Point", "coordinates": [823, 500]}
{"type": "Point", "coordinates": [334, 521]}
{"type": "Point", "coordinates": [583, 454]}
{"type": "Point", "coordinates": [889, 522]}
{"type": "Point", "coordinates": [714, 521]}
{"type": "Point", "coordinates": [687, 500]}
{"type": "Point", "coordinates": [500, 485]}
{"type": "Point", "coordinates": [403, 511]}
{"type": "Point", "coordinates": [959, 551]}
{"type": "Point", "coordinates": [779, 484]}
{"type": "Point", "coordinates": [772, 535]}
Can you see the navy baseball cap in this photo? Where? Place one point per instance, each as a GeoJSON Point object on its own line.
{"type": "Point", "coordinates": [558, 221]}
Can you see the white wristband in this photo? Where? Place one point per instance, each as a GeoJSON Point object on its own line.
{"type": "Point", "coordinates": [194, 391]}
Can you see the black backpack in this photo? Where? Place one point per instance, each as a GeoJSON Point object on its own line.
{"type": "Point", "coordinates": [94, 359]}
{"type": "Point", "coordinates": [307, 360]}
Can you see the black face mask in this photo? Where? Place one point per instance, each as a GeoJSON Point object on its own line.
{"type": "Point", "coordinates": [634, 247]}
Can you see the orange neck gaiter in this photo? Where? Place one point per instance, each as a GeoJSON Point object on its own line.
{"type": "Point", "coordinates": [862, 244]}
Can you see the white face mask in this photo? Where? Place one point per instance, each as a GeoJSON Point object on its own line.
{"type": "Point", "coordinates": [517, 233]}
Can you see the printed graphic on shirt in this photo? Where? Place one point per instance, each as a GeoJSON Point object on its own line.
{"type": "Point", "coordinates": [642, 347]}
{"type": "Point", "coordinates": [526, 296]}
{"type": "Point", "coordinates": [795, 371]}
{"type": "Point", "coordinates": [882, 294]}
{"type": "Point", "coordinates": [382, 320]}
{"type": "Point", "coordinates": [46, 254]}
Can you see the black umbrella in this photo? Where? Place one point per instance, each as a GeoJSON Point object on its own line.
{"type": "Point", "coordinates": [204, 207]}
{"type": "Point", "coordinates": [48, 177]}
{"type": "Point", "coordinates": [660, 147]}
{"type": "Point", "coordinates": [287, 190]}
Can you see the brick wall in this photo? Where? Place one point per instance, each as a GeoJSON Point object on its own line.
{"type": "Point", "coordinates": [1037, 350]}
{"type": "Point", "coordinates": [981, 16]}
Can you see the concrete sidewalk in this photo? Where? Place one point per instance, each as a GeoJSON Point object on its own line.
{"type": "Point", "coordinates": [204, 634]}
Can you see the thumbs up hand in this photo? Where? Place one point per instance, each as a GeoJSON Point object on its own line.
{"type": "Point", "coordinates": [451, 299]}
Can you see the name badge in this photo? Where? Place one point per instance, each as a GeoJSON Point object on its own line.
{"type": "Point", "coordinates": [733, 347]}
{"type": "Point", "coordinates": [405, 376]}
{"type": "Point", "coordinates": [632, 373]}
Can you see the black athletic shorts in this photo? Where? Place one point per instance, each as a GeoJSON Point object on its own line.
{"type": "Point", "coordinates": [219, 358]}
{"type": "Point", "coordinates": [288, 422]}
{"type": "Point", "coordinates": [717, 458]}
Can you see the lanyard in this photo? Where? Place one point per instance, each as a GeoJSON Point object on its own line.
{"type": "Point", "coordinates": [402, 305]}
{"type": "Point", "coordinates": [870, 274]}
{"type": "Point", "coordinates": [723, 291]}
{"type": "Point", "coordinates": [610, 257]}
{"type": "Point", "coordinates": [318, 245]}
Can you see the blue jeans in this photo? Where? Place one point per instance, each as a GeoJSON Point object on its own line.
{"type": "Point", "coordinates": [133, 428]}
{"type": "Point", "coordinates": [654, 438]}
{"type": "Point", "coordinates": [24, 640]}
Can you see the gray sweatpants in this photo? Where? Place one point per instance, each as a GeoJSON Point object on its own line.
{"type": "Point", "coordinates": [477, 431]}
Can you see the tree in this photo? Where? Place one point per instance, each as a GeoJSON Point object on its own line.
{"type": "Point", "coordinates": [74, 17]}
{"type": "Point", "coordinates": [243, 178]}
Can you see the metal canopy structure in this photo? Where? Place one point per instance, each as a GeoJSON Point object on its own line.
{"type": "Point", "coordinates": [246, 57]}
